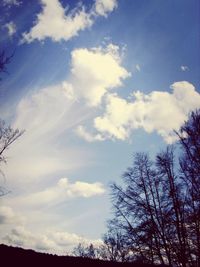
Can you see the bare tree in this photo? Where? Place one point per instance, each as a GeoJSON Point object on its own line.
{"type": "Point", "coordinates": [157, 208]}
{"type": "Point", "coordinates": [189, 137]}
{"type": "Point", "coordinates": [115, 243]}
{"type": "Point", "coordinates": [176, 194]}
{"type": "Point", "coordinates": [4, 61]}
{"type": "Point", "coordinates": [137, 206]}
{"type": "Point", "coordinates": [85, 251]}
{"type": "Point", "coordinates": [8, 135]}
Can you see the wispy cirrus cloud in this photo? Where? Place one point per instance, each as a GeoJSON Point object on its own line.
{"type": "Point", "coordinates": [58, 193]}
{"type": "Point", "coordinates": [58, 23]}
{"type": "Point", "coordinates": [46, 116]}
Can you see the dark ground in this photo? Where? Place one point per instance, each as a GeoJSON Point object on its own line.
{"type": "Point", "coordinates": [12, 256]}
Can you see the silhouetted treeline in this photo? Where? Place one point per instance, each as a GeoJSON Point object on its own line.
{"type": "Point", "coordinates": [157, 208]}
{"type": "Point", "coordinates": [11, 256]}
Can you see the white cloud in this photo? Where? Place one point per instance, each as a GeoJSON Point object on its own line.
{"type": "Point", "coordinates": [187, 98]}
{"type": "Point", "coordinates": [54, 23]}
{"type": "Point", "coordinates": [60, 192]}
{"type": "Point", "coordinates": [103, 7]}
{"type": "Point", "coordinates": [19, 236]}
{"type": "Point", "coordinates": [45, 151]}
{"type": "Point", "coordinates": [69, 91]}
{"type": "Point", "coordinates": [152, 112]}
{"type": "Point", "coordinates": [8, 216]}
{"type": "Point", "coordinates": [84, 134]}
{"type": "Point", "coordinates": [184, 68]}
{"type": "Point", "coordinates": [48, 117]}
{"type": "Point", "coordinates": [50, 241]}
{"type": "Point", "coordinates": [138, 67]}
{"type": "Point", "coordinates": [82, 189]}
{"type": "Point", "coordinates": [67, 240]}
{"type": "Point", "coordinates": [96, 71]}
{"type": "Point", "coordinates": [11, 28]}
{"type": "Point", "coordinates": [12, 3]}
{"type": "Point", "coordinates": [114, 122]}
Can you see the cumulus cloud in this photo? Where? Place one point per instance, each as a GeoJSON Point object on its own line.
{"type": "Point", "coordinates": [103, 7]}
{"type": "Point", "coordinates": [152, 112]}
{"type": "Point", "coordinates": [58, 23]}
{"type": "Point", "coordinates": [81, 189]}
{"type": "Point", "coordinates": [50, 241]}
{"type": "Point", "coordinates": [96, 71]}
{"type": "Point", "coordinates": [53, 23]}
{"type": "Point", "coordinates": [11, 28]}
{"type": "Point", "coordinates": [113, 122]}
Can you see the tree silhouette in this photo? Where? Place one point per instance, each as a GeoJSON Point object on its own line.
{"type": "Point", "coordinates": [189, 137]}
{"type": "Point", "coordinates": [8, 135]}
{"type": "Point", "coordinates": [4, 61]}
{"type": "Point", "coordinates": [157, 208]}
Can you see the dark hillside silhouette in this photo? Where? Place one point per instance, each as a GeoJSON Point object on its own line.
{"type": "Point", "coordinates": [12, 256]}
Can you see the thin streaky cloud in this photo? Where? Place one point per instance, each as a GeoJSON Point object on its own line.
{"type": "Point", "coordinates": [60, 192]}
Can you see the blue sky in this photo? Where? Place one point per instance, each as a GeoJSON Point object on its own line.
{"type": "Point", "coordinates": [91, 82]}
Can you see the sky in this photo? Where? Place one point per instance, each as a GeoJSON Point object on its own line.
{"type": "Point", "coordinates": [91, 82]}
